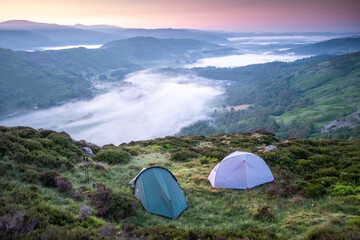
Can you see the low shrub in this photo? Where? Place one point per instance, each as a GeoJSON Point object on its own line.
{"type": "Point", "coordinates": [322, 160]}
{"type": "Point", "coordinates": [112, 206]}
{"type": "Point", "coordinates": [183, 155]}
{"type": "Point", "coordinates": [327, 172]}
{"type": "Point", "coordinates": [63, 184]}
{"type": "Point", "coordinates": [48, 179]}
{"type": "Point", "coordinates": [24, 195]}
{"type": "Point", "coordinates": [218, 154]}
{"type": "Point", "coordinates": [355, 169]}
{"type": "Point", "coordinates": [327, 233]}
{"type": "Point", "coordinates": [172, 232]}
{"type": "Point", "coordinates": [315, 190]}
{"type": "Point", "coordinates": [304, 166]}
{"type": "Point", "coordinates": [113, 156]}
{"type": "Point", "coordinates": [120, 207]}
{"type": "Point", "coordinates": [299, 153]}
{"type": "Point", "coordinates": [85, 212]}
{"type": "Point", "coordinates": [56, 215]}
{"type": "Point", "coordinates": [29, 176]}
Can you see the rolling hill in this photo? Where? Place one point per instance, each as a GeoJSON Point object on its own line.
{"type": "Point", "coordinates": [290, 99]}
{"type": "Point", "coordinates": [18, 40]}
{"type": "Point", "coordinates": [334, 46]}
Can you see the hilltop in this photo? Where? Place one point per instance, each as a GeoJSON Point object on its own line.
{"type": "Point", "coordinates": [44, 193]}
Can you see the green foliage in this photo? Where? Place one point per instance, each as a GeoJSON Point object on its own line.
{"type": "Point", "coordinates": [293, 100]}
{"type": "Point", "coordinates": [56, 215]}
{"type": "Point", "coordinates": [344, 190]}
{"type": "Point", "coordinates": [183, 155]}
{"type": "Point", "coordinates": [325, 233]}
{"type": "Point", "coordinates": [172, 232]}
{"type": "Point", "coordinates": [120, 207]}
{"type": "Point", "coordinates": [315, 190]}
{"type": "Point", "coordinates": [113, 156]}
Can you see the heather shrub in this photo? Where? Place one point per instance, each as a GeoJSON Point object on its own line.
{"type": "Point", "coordinates": [29, 176]}
{"type": "Point", "coordinates": [354, 169]}
{"type": "Point", "coordinates": [120, 207]}
{"type": "Point", "coordinates": [24, 195]}
{"type": "Point", "coordinates": [56, 216]}
{"type": "Point", "coordinates": [113, 156]}
{"type": "Point", "coordinates": [183, 155]}
{"type": "Point", "coordinates": [299, 153]}
{"type": "Point", "coordinates": [85, 212]}
{"type": "Point", "coordinates": [315, 190]}
{"type": "Point", "coordinates": [327, 172]}
{"type": "Point", "coordinates": [48, 179]}
{"type": "Point", "coordinates": [32, 145]}
{"type": "Point", "coordinates": [218, 154]}
{"type": "Point", "coordinates": [304, 166]}
{"type": "Point", "coordinates": [63, 184]}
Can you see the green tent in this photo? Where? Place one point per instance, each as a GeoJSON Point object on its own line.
{"type": "Point", "coordinates": [159, 192]}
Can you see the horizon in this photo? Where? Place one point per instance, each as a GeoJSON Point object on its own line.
{"type": "Point", "coordinates": [228, 16]}
{"type": "Point", "coordinates": [196, 29]}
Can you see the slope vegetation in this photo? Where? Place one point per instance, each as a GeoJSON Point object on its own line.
{"type": "Point", "coordinates": [290, 99]}
{"type": "Point", "coordinates": [45, 195]}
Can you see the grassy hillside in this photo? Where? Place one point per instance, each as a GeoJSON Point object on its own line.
{"type": "Point", "coordinates": [44, 194]}
{"type": "Point", "coordinates": [290, 99]}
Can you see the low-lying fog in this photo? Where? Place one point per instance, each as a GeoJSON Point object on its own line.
{"type": "Point", "coordinates": [150, 104]}
{"type": "Point", "coordinates": [244, 59]}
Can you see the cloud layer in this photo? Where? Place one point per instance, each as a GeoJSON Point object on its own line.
{"type": "Point", "coordinates": [151, 104]}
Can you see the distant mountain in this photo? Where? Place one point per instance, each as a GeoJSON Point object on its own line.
{"type": "Point", "coordinates": [62, 35]}
{"type": "Point", "coordinates": [334, 46]}
{"type": "Point", "coordinates": [159, 33]}
{"type": "Point", "coordinates": [100, 28]}
{"type": "Point", "coordinates": [175, 33]}
{"type": "Point", "coordinates": [17, 40]}
{"type": "Point", "coordinates": [151, 48]}
{"type": "Point", "coordinates": [29, 25]}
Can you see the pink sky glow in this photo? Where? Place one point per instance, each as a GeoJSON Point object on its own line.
{"type": "Point", "coordinates": [226, 15]}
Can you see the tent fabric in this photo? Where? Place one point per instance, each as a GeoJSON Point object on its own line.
{"type": "Point", "coordinates": [132, 182]}
{"type": "Point", "coordinates": [240, 170]}
{"type": "Point", "coordinates": [159, 192]}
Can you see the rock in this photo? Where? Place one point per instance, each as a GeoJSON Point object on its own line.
{"type": "Point", "coordinates": [88, 150]}
{"type": "Point", "coordinates": [349, 122]}
{"type": "Point", "coordinates": [270, 148]}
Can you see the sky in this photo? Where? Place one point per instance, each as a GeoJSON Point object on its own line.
{"type": "Point", "coordinates": [225, 15]}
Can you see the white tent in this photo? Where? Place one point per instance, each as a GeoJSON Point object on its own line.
{"type": "Point", "coordinates": [240, 170]}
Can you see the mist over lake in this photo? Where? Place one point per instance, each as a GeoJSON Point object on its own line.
{"type": "Point", "coordinates": [244, 60]}
{"type": "Point", "coordinates": [150, 104]}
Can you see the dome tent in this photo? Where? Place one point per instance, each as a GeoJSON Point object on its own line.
{"type": "Point", "coordinates": [240, 170]}
{"type": "Point", "coordinates": [159, 192]}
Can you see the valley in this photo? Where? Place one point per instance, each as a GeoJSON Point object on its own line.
{"type": "Point", "coordinates": [180, 120]}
